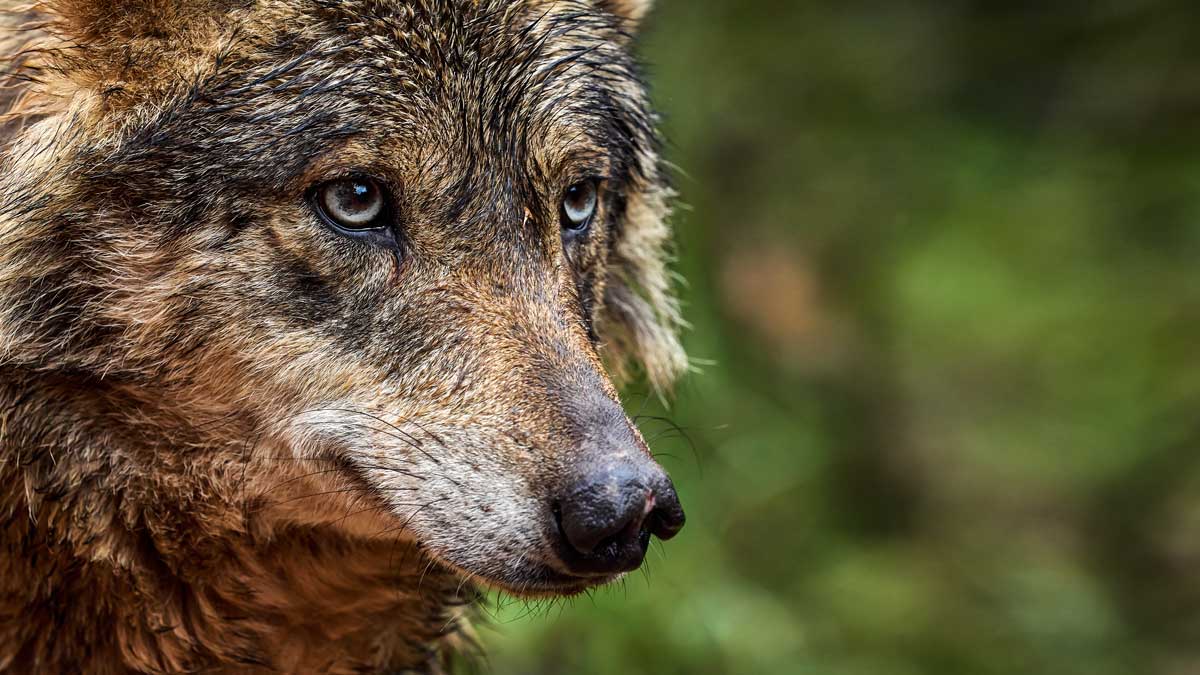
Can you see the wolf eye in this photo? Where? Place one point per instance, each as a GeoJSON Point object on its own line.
{"type": "Point", "coordinates": [579, 205]}
{"type": "Point", "coordinates": [352, 204]}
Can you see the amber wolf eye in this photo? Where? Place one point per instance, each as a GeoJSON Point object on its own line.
{"type": "Point", "coordinates": [353, 206]}
{"type": "Point", "coordinates": [579, 206]}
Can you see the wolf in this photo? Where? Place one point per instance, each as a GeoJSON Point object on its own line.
{"type": "Point", "coordinates": [310, 317]}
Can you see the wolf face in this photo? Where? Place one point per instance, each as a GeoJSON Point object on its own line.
{"type": "Point", "coordinates": [377, 251]}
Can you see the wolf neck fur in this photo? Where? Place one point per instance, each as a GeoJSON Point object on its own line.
{"type": "Point", "coordinates": [105, 565]}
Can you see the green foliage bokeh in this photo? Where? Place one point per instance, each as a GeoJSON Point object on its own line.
{"type": "Point", "coordinates": [941, 264]}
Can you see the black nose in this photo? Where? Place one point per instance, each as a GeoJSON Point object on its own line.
{"type": "Point", "coordinates": [607, 518]}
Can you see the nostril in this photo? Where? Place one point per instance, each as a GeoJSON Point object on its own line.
{"type": "Point", "coordinates": [597, 519]}
{"type": "Point", "coordinates": [666, 517]}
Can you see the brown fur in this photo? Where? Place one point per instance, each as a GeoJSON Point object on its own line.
{"type": "Point", "coordinates": [231, 440]}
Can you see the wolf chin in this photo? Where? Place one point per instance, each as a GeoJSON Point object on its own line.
{"type": "Point", "coordinates": [308, 311]}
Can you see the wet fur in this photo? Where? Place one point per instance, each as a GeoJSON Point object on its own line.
{"type": "Point", "coordinates": [230, 440]}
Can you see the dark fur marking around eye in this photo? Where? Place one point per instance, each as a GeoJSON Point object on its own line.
{"type": "Point", "coordinates": [586, 286]}
{"type": "Point", "coordinates": [235, 226]}
{"type": "Point", "coordinates": [303, 296]}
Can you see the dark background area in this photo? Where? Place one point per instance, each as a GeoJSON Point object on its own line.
{"type": "Point", "coordinates": [941, 263]}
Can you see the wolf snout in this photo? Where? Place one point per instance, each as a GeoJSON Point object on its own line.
{"type": "Point", "coordinates": [606, 519]}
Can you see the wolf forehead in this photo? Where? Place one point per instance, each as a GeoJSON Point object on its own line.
{"type": "Point", "coordinates": [154, 137]}
{"type": "Point", "coordinates": [509, 88]}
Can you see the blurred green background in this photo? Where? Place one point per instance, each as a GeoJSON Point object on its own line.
{"type": "Point", "coordinates": [942, 268]}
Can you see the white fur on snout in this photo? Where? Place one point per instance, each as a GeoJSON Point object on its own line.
{"type": "Point", "coordinates": [457, 492]}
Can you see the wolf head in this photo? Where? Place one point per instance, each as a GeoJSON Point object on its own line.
{"type": "Point", "coordinates": [394, 242]}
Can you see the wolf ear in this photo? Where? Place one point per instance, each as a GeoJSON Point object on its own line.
{"type": "Point", "coordinates": [632, 11]}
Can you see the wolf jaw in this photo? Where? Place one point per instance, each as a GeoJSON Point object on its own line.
{"type": "Point", "coordinates": [237, 433]}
